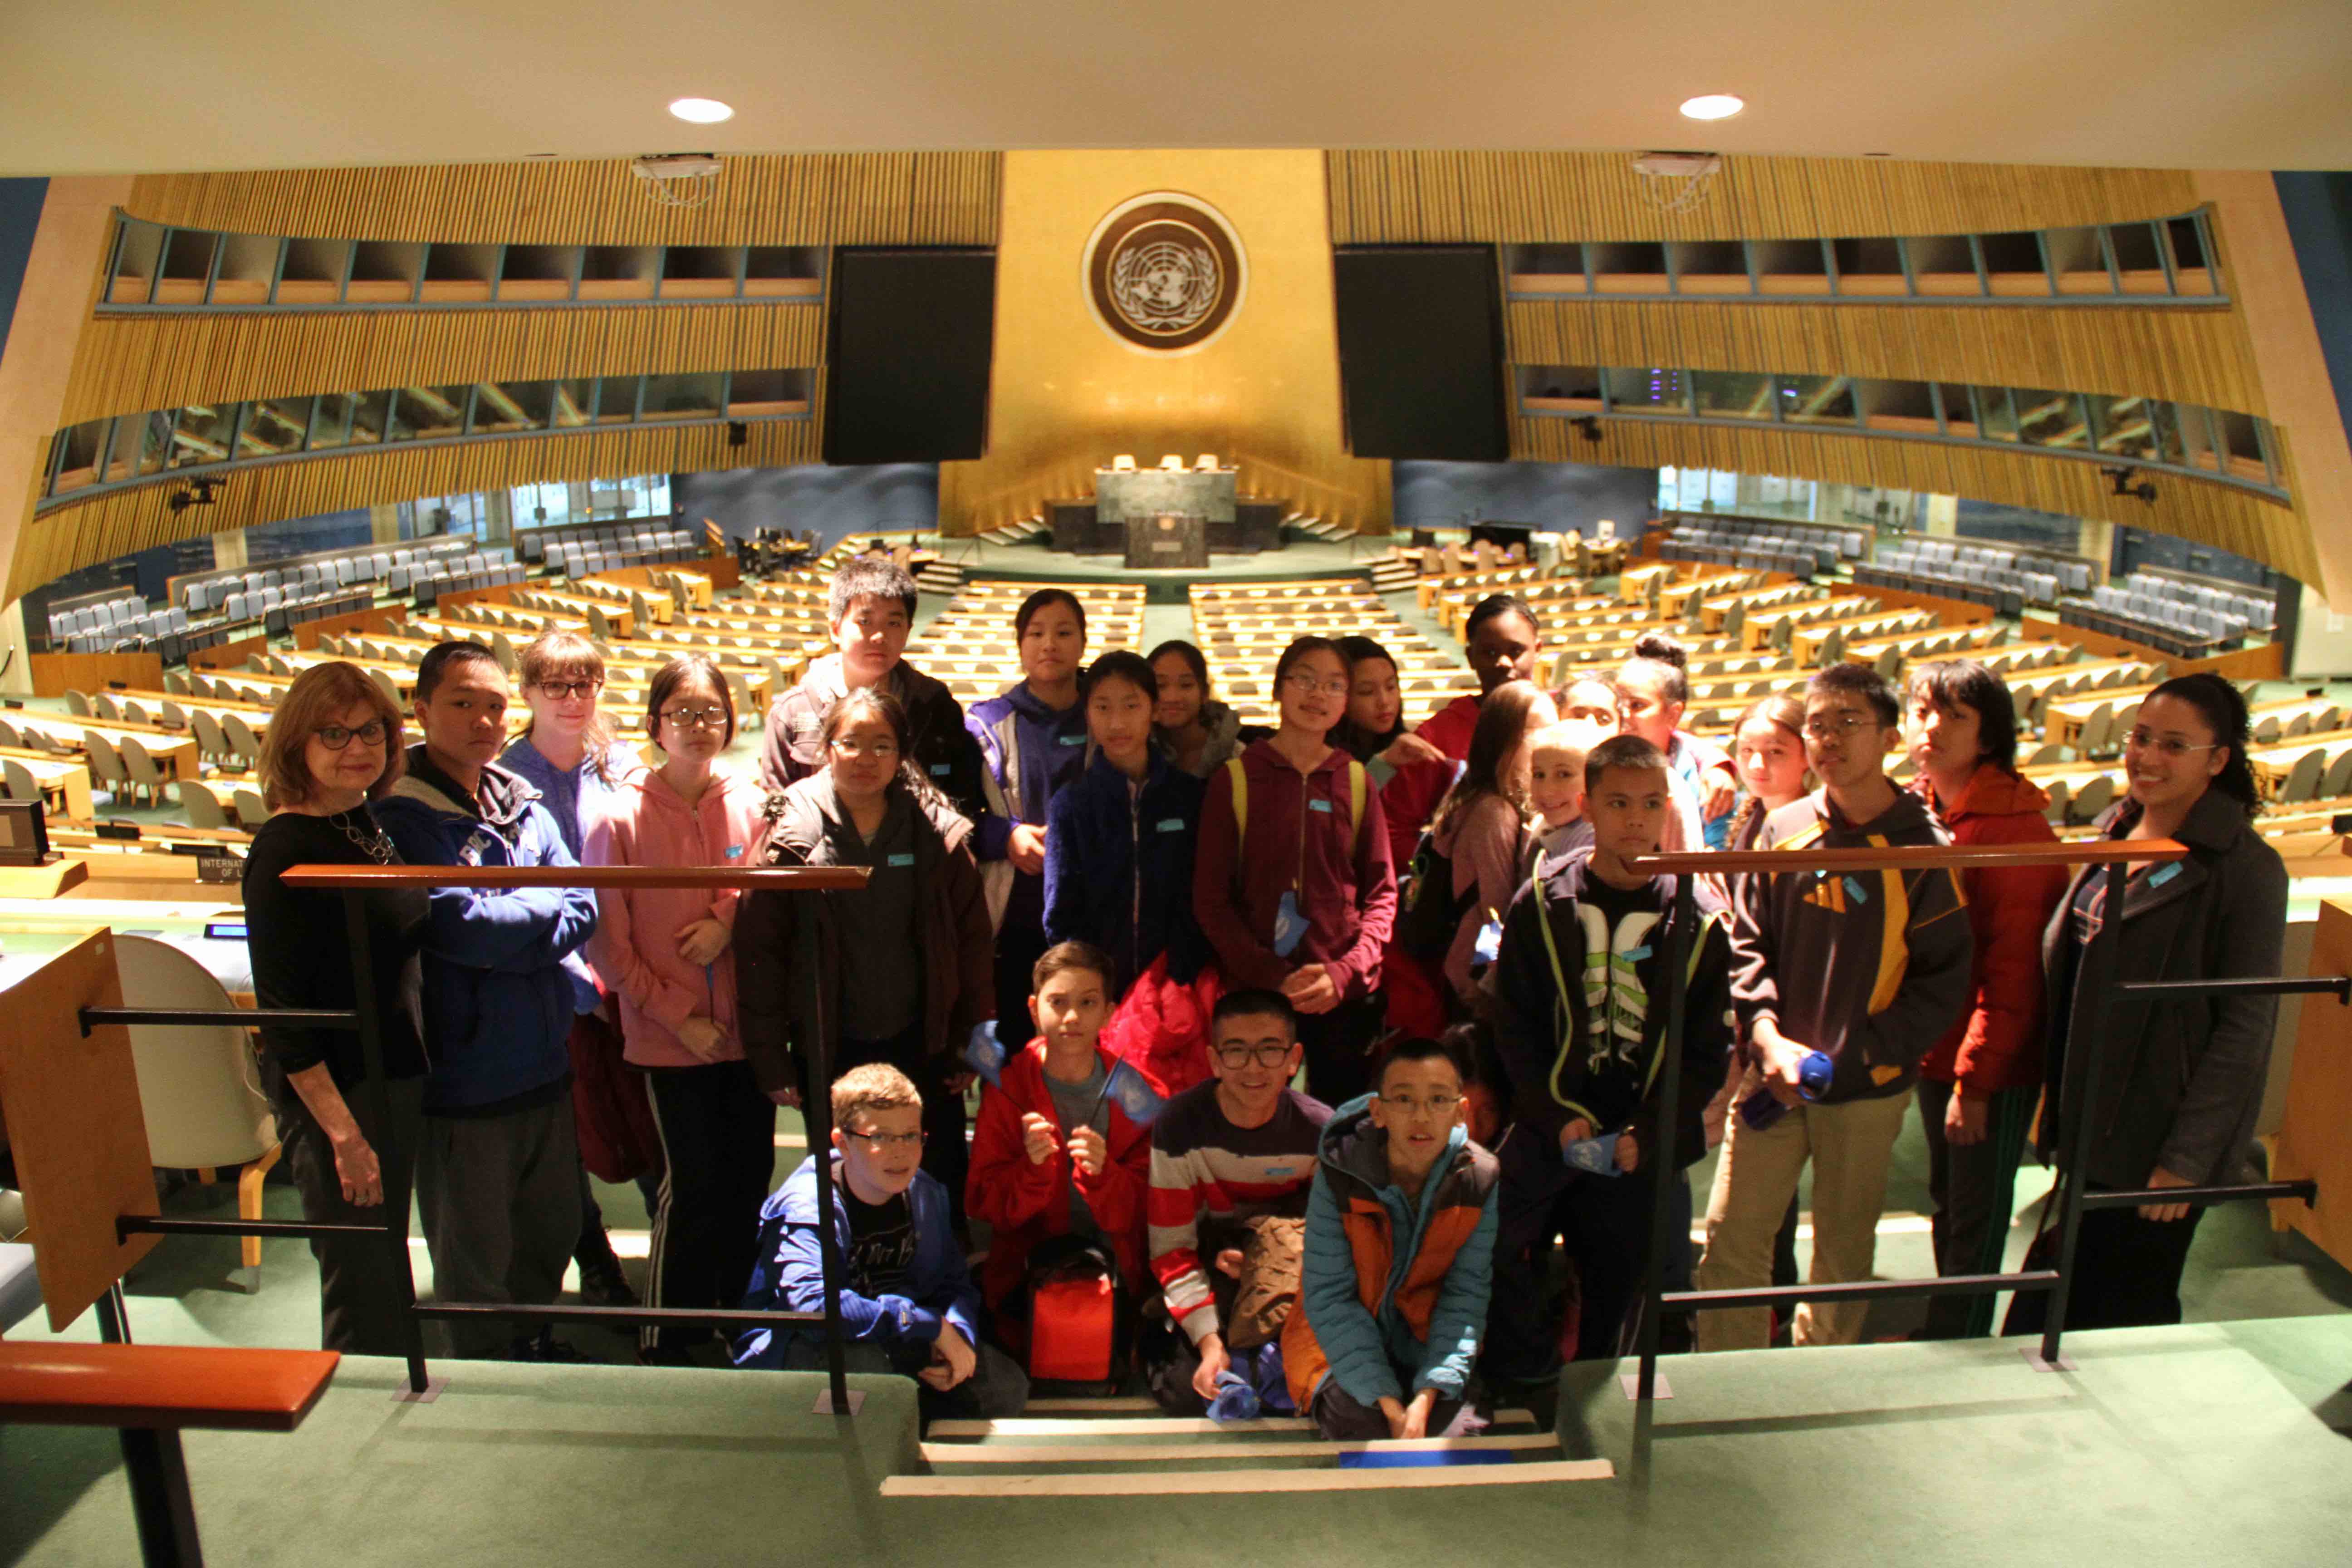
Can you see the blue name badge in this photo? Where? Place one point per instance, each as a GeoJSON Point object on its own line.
{"type": "Point", "coordinates": [1070, 740]}
{"type": "Point", "coordinates": [1322, 805]}
{"type": "Point", "coordinates": [941, 770]}
{"type": "Point", "coordinates": [1635, 954]}
{"type": "Point", "coordinates": [902, 858]}
{"type": "Point", "coordinates": [1856, 891]}
{"type": "Point", "coordinates": [2164, 873]}
{"type": "Point", "coordinates": [734, 852]}
{"type": "Point", "coordinates": [1171, 824]}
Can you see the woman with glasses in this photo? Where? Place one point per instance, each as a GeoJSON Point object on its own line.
{"type": "Point", "coordinates": [2181, 1079]}
{"type": "Point", "coordinates": [666, 951]}
{"type": "Point", "coordinates": [1292, 883]}
{"type": "Point", "coordinates": [901, 971]}
{"type": "Point", "coordinates": [1979, 1081]}
{"type": "Point", "coordinates": [334, 744]}
{"type": "Point", "coordinates": [569, 752]}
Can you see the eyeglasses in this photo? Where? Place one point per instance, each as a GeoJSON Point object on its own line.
{"type": "Point", "coordinates": [842, 746]}
{"type": "Point", "coordinates": [1298, 681]}
{"type": "Point", "coordinates": [565, 690]}
{"type": "Point", "coordinates": [334, 737]}
{"type": "Point", "coordinates": [1836, 726]}
{"type": "Point", "coordinates": [1435, 1105]}
{"type": "Point", "coordinates": [696, 718]}
{"type": "Point", "coordinates": [1239, 1057]}
{"type": "Point", "coordinates": [877, 1142]}
{"type": "Point", "coordinates": [2162, 745]}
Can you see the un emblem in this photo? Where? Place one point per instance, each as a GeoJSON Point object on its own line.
{"type": "Point", "coordinates": [1165, 272]}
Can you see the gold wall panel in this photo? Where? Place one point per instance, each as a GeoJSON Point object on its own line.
{"type": "Point", "coordinates": [2275, 534]}
{"type": "Point", "coordinates": [818, 198]}
{"type": "Point", "coordinates": [1527, 198]}
{"type": "Point", "coordinates": [77, 534]}
{"type": "Point", "coordinates": [2199, 355]}
{"type": "Point", "coordinates": [129, 363]}
{"type": "Point", "coordinates": [1067, 396]}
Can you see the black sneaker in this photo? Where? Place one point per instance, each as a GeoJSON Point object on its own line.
{"type": "Point", "coordinates": [603, 1284]}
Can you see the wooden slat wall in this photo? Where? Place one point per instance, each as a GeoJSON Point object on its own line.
{"type": "Point", "coordinates": [2277, 536]}
{"type": "Point", "coordinates": [1529, 197]}
{"type": "Point", "coordinates": [73, 535]}
{"type": "Point", "coordinates": [129, 363]}
{"type": "Point", "coordinates": [2199, 356]}
{"type": "Point", "coordinates": [824, 198]}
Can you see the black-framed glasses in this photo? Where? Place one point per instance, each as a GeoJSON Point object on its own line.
{"type": "Point", "coordinates": [1443, 1105]}
{"type": "Point", "coordinates": [696, 718]}
{"type": "Point", "coordinates": [334, 737]}
{"type": "Point", "coordinates": [1239, 1057]}
{"type": "Point", "coordinates": [564, 690]}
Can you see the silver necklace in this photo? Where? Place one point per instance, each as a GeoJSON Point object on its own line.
{"type": "Point", "coordinates": [377, 845]}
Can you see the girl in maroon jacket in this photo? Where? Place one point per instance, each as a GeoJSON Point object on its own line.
{"type": "Point", "coordinates": [1979, 1083]}
{"type": "Point", "coordinates": [1292, 882]}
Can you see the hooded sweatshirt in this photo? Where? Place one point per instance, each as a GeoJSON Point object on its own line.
{"type": "Point", "coordinates": [1997, 1043]}
{"type": "Point", "coordinates": [1028, 752]}
{"type": "Point", "coordinates": [1580, 1015]}
{"type": "Point", "coordinates": [1302, 836]}
{"type": "Point", "coordinates": [497, 997]}
{"type": "Point", "coordinates": [781, 946]}
{"type": "Point", "coordinates": [794, 747]}
{"type": "Point", "coordinates": [1393, 1290]}
{"type": "Point", "coordinates": [647, 822]}
{"type": "Point", "coordinates": [574, 797]}
{"type": "Point", "coordinates": [1868, 968]}
{"type": "Point", "coordinates": [1118, 868]}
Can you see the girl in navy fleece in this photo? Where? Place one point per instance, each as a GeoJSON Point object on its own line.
{"type": "Point", "coordinates": [1032, 740]}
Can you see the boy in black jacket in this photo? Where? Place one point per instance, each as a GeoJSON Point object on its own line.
{"type": "Point", "coordinates": [1580, 987]}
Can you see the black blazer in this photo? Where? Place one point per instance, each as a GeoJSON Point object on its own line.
{"type": "Point", "coordinates": [2181, 1081]}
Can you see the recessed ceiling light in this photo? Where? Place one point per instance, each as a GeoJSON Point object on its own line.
{"type": "Point", "coordinates": [1711, 106]}
{"type": "Point", "coordinates": [708, 110]}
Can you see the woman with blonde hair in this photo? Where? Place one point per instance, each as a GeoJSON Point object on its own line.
{"type": "Point", "coordinates": [334, 744]}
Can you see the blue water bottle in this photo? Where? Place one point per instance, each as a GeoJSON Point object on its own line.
{"type": "Point", "coordinates": [1761, 1110]}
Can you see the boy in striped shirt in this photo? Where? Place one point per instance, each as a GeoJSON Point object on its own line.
{"type": "Point", "coordinates": [1232, 1160]}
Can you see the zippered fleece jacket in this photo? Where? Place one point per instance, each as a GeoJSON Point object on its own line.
{"type": "Point", "coordinates": [647, 822]}
{"type": "Point", "coordinates": [1301, 832]}
{"type": "Point", "coordinates": [1580, 1018]}
{"type": "Point", "coordinates": [497, 997]}
{"type": "Point", "coordinates": [1118, 868]}
{"type": "Point", "coordinates": [1868, 967]}
{"type": "Point", "coordinates": [1393, 1291]}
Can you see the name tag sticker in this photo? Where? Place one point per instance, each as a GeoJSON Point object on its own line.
{"type": "Point", "coordinates": [734, 852]}
{"type": "Point", "coordinates": [1070, 739]}
{"type": "Point", "coordinates": [1635, 954]}
{"type": "Point", "coordinates": [941, 770]}
{"type": "Point", "coordinates": [1856, 891]}
{"type": "Point", "coordinates": [2164, 873]}
{"type": "Point", "coordinates": [1322, 805]}
{"type": "Point", "coordinates": [1171, 824]}
{"type": "Point", "coordinates": [902, 858]}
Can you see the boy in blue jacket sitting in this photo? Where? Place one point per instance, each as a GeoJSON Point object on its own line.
{"type": "Point", "coordinates": [908, 1304]}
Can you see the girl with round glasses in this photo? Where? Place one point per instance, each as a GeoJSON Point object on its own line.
{"type": "Point", "coordinates": [334, 744]}
{"type": "Point", "coordinates": [666, 951]}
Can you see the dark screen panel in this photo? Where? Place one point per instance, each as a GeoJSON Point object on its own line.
{"type": "Point", "coordinates": [907, 367]}
{"type": "Point", "coordinates": [1421, 351]}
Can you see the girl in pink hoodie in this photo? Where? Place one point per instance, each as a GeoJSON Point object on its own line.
{"type": "Point", "coordinates": [666, 951]}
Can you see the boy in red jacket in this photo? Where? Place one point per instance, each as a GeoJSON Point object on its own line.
{"type": "Point", "coordinates": [1057, 1167]}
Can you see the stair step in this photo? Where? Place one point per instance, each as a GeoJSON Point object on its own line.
{"type": "Point", "coordinates": [1160, 1483]}
{"type": "Point", "coordinates": [1293, 1448]}
{"type": "Point", "coordinates": [1149, 1425]}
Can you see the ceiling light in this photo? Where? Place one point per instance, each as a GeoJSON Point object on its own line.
{"type": "Point", "coordinates": [711, 111]}
{"type": "Point", "coordinates": [1707, 106]}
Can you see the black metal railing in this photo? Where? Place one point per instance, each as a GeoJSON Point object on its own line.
{"type": "Point", "coordinates": [354, 883]}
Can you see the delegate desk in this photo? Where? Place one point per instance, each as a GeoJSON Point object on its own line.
{"type": "Point", "coordinates": [174, 750]}
{"type": "Point", "coordinates": [66, 781]}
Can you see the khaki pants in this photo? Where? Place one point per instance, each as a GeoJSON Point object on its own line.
{"type": "Point", "coordinates": [1849, 1145]}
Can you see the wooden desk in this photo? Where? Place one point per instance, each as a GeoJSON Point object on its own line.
{"type": "Point", "coordinates": [2274, 764]}
{"type": "Point", "coordinates": [174, 750]}
{"type": "Point", "coordinates": [1808, 640]}
{"type": "Point", "coordinates": [70, 780]}
{"type": "Point", "coordinates": [1763, 620]}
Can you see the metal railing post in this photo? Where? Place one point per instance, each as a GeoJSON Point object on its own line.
{"type": "Point", "coordinates": [379, 1103]}
{"type": "Point", "coordinates": [816, 1123]}
{"type": "Point", "coordinates": [1659, 1158]}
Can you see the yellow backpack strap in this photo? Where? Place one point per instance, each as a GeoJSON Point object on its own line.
{"type": "Point", "coordinates": [1359, 785]}
{"type": "Point", "coordinates": [1240, 802]}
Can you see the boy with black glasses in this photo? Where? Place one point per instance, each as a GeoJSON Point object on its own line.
{"type": "Point", "coordinates": [908, 1304]}
{"type": "Point", "coordinates": [1232, 1160]}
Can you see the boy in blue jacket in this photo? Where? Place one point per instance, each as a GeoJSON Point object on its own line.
{"type": "Point", "coordinates": [908, 1304]}
{"type": "Point", "coordinates": [498, 1176]}
{"type": "Point", "coordinates": [1397, 1262]}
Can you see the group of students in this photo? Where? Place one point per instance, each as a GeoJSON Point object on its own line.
{"type": "Point", "coordinates": [1140, 922]}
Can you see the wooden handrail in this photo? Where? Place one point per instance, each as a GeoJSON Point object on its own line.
{"type": "Point", "coordinates": [1959, 858]}
{"type": "Point", "coordinates": [773, 880]}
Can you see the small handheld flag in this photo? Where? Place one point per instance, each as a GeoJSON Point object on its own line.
{"type": "Point", "coordinates": [985, 1054]}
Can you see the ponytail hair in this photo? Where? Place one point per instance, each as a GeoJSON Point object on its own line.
{"type": "Point", "coordinates": [1668, 661]}
{"type": "Point", "coordinates": [2224, 709]}
{"type": "Point", "coordinates": [1501, 731]}
{"type": "Point", "coordinates": [1783, 711]}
